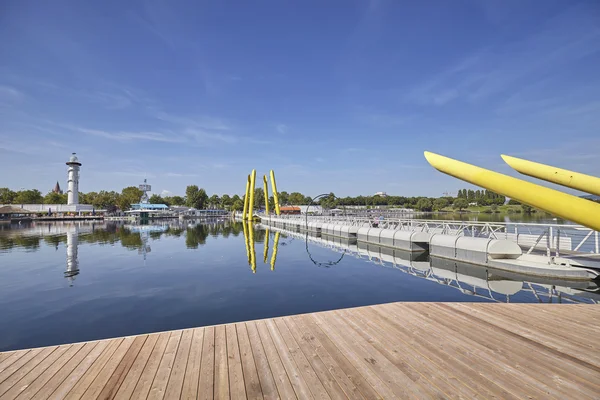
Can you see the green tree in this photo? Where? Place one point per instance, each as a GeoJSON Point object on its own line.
{"type": "Point", "coordinates": [129, 195]}
{"type": "Point", "coordinates": [424, 205]}
{"type": "Point", "coordinates": [238, 205]}
{"type": "Point", "coordinates": [494, 207]}
{"type": "Point", "coordinates": [513, 202]}
{"type": "Point", "coordinates": [460, 204]}
{"type": "Point", "coordinates": [226, 201]}
{"type": "Point", "coordinates": [526, 209]}
{"type": "Point", "coordinates": [175, 200]}
{"type": "Point", "coordinates": [156, 199]}
{"type": "Point", "coordinates": [7, 196]}
{"type": "Point", "coordinates": [296, 199]}
{"type": "Point", "coordinates": [55, 198]}
{"type": "Point", "coordinates": [214, 201]}
{"type": "Point", "coordinates": [195, 197]}
{"type": "Point", "coordinates": [32, 196]}
{"type": "Point", "coordinates": [284, 198]}
{"type": "Point", "coordinates": [440, 203]}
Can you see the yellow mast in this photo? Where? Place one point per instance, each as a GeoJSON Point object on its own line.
{"type": "Point", "coordinates": [564, 205]}
{"type": "Point", "coordinates": [246, 198]}
{"type": "Point", "coordinates": [564, 177]}
{"type": "Point", "coordinates": [266, 185]}
{"type": "Point", "coordinates": [275, 195]}
{"type": "Point", "coordinates": [250, 215]}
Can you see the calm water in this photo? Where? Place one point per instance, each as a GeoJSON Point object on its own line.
{"type": "Point", "coordinates": [69, 282]}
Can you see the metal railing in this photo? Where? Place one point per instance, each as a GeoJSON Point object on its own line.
{"type": "Point", "coordinates": [555, 240]}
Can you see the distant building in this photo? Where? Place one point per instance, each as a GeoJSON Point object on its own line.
{"type": "Point", "coordinates": [380, 194]}
{"type": "Point", "coordinates": [57, 189]}
{"type": "Point", "coordinates": [289, 210]}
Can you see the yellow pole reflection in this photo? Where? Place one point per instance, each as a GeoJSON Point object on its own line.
{"type": "Point", "coordinates": [274, 256]}
{"type": "Point", "coordinates": [252, 252]}
{"type": "Point", "coordinates": [266, 252]}
{"type": "Point", "coordinates": [246, 239]}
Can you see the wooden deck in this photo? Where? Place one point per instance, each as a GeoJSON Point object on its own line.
{"type": "Point", "coordinates": [398, 350]}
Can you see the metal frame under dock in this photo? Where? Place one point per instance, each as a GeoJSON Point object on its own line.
{"type": "Point", "coordinates": [396, 350]}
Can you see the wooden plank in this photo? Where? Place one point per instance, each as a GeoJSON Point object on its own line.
{"type": "Point", "coordinates": [4, 356]}
{"type": "Point", "coordinates": [255, 349]}
{"type": "Point", "coordinates": [207, 367]}
{"type": "Point", "coordinates": [157, 391]}
{"type": "Point", "coordinates": [142, 388]}
{"type": "Point", "coordinates": [69, 382]}
{"type": "Point", "coordinates": [405, 358]}
{"type": "Point", "coordinates": [398, 382]}
{"type": "Point", "coordinates": [330, 349]}
{"type": "Point", "coordinates": [491, 370]}
{"type": "Point", "coordinates": [111, 365]}
{"type": "Point", "coordinates": [135, 371]}
{"type": "Point", "coordinates": [282, 381]}
{"type": "Point", "coordinates": [90, 375]}
{"type": "Point", "coordinates": [175, 384]}
{"type": "Point", "coordinates": [306, 338]}
{"type": "Point", "coordinates": [38, 370]}
{"type": "Point", "coordinates": [319, 380]}
{"type": "Point", "coordinates": [113, 384]}
{"type": "Point", "coordinates": [27, 392]}
{"type": "Point", "coordinates": [527, 327]}
{"type": "Point", "coordinates": [234, 362]}
{"type": "Point", "coordinates": [492, 353]}
{"type": "Point", "coordinates": [298, 383]}
{"type": "Point", "coordinates": [355, 356]}
{"type": "Point", "coordinates": [251, 380]}
{"type": "Point", "coordinates": [192, 372]}
{"type": "Point", "coordinates": [18, 369]}
{"type": "Point", "coordinates": [63, 373]}
{"type": "Point", "coordinates": [12, 357]}
{"type": "Point", "coordinates": [433, 370]}
{"type": "Point", "coordinates": [221, 373]}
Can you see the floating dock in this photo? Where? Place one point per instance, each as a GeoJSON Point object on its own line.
{"type": "Point", "coordinates": [396, 350]}
{"type": "Point", "coordinates": [487, 248]}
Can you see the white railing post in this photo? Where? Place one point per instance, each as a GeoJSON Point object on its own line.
{"type": "Point", "coordinates": [597, 244]}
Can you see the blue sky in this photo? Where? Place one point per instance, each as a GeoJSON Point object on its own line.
{"type": "Point", "coordinates": [339, 96]}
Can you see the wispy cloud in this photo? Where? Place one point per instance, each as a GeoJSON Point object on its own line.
{"type": "Point", "coordinates": [282, 128]}
{"type": "Point", "coordinates": [10, 95]}
{"type": "Point", "coordinates": [132, 136]}
{"type": "Point", "coordinates": [178, 175]}
{"type": "Point", "coordinates": [564, 39]}
{"type": "Point", "coordinates": [204, 137]}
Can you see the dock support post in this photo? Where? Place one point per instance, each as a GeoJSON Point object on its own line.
{"type": "Point", "coordinates": [251, 204]}
{"type": "Point", "coordinates": [275, 195]}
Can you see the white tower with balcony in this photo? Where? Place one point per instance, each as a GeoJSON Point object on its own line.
{"type": "Point", "coordinates": [73, 180]}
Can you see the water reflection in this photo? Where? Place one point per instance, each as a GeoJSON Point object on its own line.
{"type": "Point", "coordinates": [29, 237]}
{"type": "Point", "coordinates": [472, 280]}
{"type": "Point", "coordinates": [263, 235]}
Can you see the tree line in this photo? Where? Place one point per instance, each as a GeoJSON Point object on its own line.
{"type": "Point", "coordinates": [198, 198]}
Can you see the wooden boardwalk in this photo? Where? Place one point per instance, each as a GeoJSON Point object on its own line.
{"type": "Point", "coordinates": [398, 350]}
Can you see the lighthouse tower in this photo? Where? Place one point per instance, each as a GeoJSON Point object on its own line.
{"type": "Point", "coordinates": [73, 180]}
